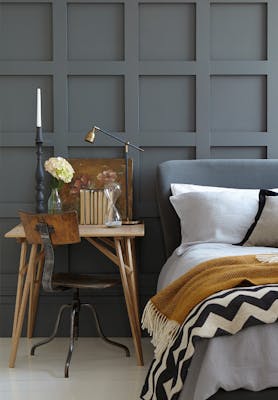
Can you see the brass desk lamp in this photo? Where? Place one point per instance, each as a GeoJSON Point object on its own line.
{"type": "Point", "coordinates": [90, 137]}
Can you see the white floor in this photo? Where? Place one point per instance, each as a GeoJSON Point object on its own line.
{"type": "Point", "coordinates": [97, 371]}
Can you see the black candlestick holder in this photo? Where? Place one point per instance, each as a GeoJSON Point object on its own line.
{"type": "Point", "coordinates": [39, 176]}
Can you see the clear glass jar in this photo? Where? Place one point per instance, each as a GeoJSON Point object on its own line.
{"type": "Point", "coordinates": [54, 204]}
{"type": "Point", "coordinates": [112, 217]}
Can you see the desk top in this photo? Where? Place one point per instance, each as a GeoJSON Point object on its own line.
{"type": "Point", "coordinates": [91, 231]}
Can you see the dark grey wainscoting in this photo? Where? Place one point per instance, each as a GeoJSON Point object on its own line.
{"type": "Point", "coordinates": [184, 79]}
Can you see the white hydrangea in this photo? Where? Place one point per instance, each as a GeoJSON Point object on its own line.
{"type": "Point", "coordinates": [59, 168]}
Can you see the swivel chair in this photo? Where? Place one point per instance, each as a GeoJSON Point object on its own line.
{"type": "Point", "coordinates": [51, 230]}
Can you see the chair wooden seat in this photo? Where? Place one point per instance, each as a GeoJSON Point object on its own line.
{"type": "Point", "coordinates": [83, 281]}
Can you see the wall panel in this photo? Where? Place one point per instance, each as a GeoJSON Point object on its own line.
{"type": "Point", "coordinates": [238, 31]}
{"type": "Point", "coordinates": [17, 102]}
{"type": "Point", "coordinates": [157, 41]}
{"type": "Point", "coordinates": [26, 31]}
{"type": "Point", "coordinates": [89, 39]}
{"type": "Point", "coordinates": [184, 79]}
{"type": "Point", "coordinates": [231, 108]}
{"type": "Point", "coordinates": [239, 152]}
{"type": "Point", "coordinates": [167, 103]}
{"type": "Point", "coordinates": [93, 99]}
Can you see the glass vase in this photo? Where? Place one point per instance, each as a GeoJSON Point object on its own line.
{"type": "Point", "coordinates": [54, 204]}
{"type": "Point", "coordinates": [112, 217]}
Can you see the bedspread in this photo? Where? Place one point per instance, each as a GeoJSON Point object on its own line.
{"type": "Point", "coordinates": [224, 313]}
{"type": "Point", "coordinates": [175, 325]}
{"type": "Point", "coordinates": [168, 309]}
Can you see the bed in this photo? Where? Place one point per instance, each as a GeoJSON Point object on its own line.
{"type": "Point", "coordinates": [257, 344]}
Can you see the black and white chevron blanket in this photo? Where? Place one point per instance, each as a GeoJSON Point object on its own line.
{"type": "Point", "coordinates": [224, 313]}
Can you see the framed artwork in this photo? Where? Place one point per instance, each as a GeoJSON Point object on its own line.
{"type": "Point", "coordinates": [94, 173]}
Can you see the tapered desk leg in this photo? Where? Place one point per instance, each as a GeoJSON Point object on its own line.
{"type": "Point", "coordinates": [22, 305]}
{"type": "Point", "coordinates": [133, 255]}
{"type": "Point", "coordinates": [133, 275]}
{"type": "Point", "coordinates": [133, 288]}
{"type": "Point", "coordinates": [130, 303]}
{"type": "Point", "coordinates": [31, 296]}
{"type": "Point", "coordinates": [20, 280]}
{"type": "Point", "coordinates": [34, 295]}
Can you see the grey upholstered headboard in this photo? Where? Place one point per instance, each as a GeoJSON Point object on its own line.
{"type": "Point", "coordinates": [227, 173]}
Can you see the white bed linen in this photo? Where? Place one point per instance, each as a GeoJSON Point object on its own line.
{"type": "Point", "coordinates": [246, 360]}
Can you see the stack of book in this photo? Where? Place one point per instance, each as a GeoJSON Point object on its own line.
{"type": "Point", "coordinates": [93, 206]}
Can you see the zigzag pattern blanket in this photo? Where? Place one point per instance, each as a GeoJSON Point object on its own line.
{"type": "Point", "coordinates": [221, 313]}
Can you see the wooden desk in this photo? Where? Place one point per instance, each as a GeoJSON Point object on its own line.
{"type": "Point", "coordinates": [117, 244]}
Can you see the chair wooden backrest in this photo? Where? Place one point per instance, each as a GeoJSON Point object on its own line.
{"type": "Point", "coordinates": [63, 228]}
{"type": "Point", "coordinates": [49, 230]}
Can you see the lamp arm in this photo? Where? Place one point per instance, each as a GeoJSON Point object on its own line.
{"type": "Point", "coordinates": [118, 139]}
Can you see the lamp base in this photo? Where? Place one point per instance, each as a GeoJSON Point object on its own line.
{"type": "Point", "coordinates": [131, 222]}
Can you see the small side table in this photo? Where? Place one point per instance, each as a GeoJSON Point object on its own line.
{"type": "Point", "coordinates": [117, 244]}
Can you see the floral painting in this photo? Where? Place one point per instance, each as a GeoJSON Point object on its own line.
{"type": "Point", "coordinates": [95, 174]}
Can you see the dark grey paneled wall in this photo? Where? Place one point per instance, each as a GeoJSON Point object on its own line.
{"type": "Point", "coordinates": [183, 79]}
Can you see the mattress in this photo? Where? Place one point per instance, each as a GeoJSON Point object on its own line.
{"type": "Point", "coordinates": [246, 360]}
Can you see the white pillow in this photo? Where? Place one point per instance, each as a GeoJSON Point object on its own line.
{"type": "Point", "coordinates": [264, 231]}
{"type": "Point", "coordinates": [179, 188]}
{"type": "Point", "coordinates": [220, 217]}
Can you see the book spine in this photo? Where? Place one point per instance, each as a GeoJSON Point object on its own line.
{"type": "Point", "coordinates": [104, 208]}
{"type": "Point", "coordinates": [95, 207]}
{"type": "Point", "coordinates": [100, 208]}
{"type": "Point", "coordinates": [92, 206]}
{"type": "Point", "coordinates": [82, 207]}
{"type": "Point", "coordinates": [87, 207]}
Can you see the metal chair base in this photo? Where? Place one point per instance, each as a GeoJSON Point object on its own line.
{"type": "Point", "coordinates": [74, 329]}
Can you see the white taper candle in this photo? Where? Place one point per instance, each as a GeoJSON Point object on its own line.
{"type": "Point", "coordinates": [39, 111]}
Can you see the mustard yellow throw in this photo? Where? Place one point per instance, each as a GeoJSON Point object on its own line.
{"type": "Point", "coordinates": [168, 309]}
